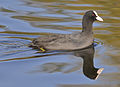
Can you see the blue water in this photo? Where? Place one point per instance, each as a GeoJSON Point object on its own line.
{"type": "Point", "coordinates": [23, 20]}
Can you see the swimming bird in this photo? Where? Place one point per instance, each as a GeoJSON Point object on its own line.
{"type": "Point", "coordinates": [73, 41]}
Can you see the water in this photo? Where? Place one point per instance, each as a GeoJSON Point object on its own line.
{"type": "Point", "coordinates": [23, 20]}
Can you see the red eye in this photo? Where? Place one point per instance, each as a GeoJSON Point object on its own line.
{"type": "Point", "coordinates": [93, 14]}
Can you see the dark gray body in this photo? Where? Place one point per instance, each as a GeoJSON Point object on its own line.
{"type": "Point", "coordinates": [64, 41]}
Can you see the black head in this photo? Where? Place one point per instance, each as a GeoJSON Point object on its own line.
{"type": "Point", "coordinates": [92, 15]}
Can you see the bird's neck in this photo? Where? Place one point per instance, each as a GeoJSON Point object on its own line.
{"type": "Point", "coordinates": [87, 25]}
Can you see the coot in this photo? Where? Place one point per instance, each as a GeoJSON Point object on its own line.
{"type": "Point", "coordinates": [72, 41]}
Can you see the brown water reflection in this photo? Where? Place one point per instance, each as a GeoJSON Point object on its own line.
{"type": "Point", "coordinates": [23, 20]}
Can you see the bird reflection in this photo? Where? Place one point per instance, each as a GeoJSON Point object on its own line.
{"type": "Point", "coordinates": [88, 63]}
{"type": "Point", "coordinates": [86, 54]}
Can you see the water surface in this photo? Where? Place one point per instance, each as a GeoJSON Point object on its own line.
{"type": "Point", "coordinates": [23, 20]}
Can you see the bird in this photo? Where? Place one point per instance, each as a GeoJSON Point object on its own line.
{"type": "Point", "coordinates": [73, 41]}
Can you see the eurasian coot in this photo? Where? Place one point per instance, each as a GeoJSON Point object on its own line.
{"type": "Point", "coordinates": [72, 41]}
